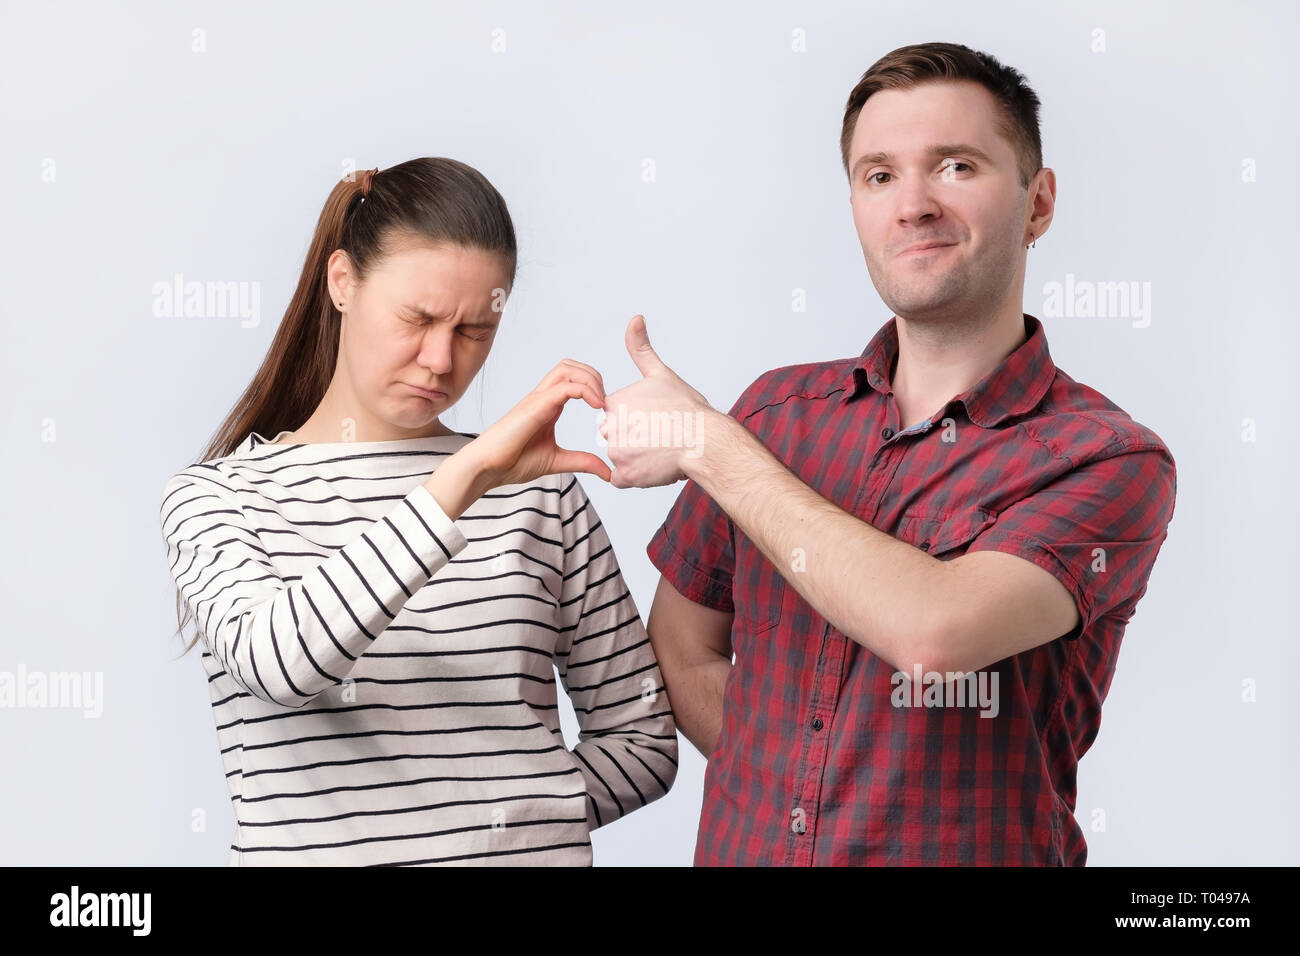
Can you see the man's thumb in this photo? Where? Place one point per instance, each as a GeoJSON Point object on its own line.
{"type": "Point", "coordinates": [638, 346]}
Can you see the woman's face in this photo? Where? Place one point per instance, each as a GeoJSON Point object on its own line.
{"type": "Point", "coordinates": [424, 318]}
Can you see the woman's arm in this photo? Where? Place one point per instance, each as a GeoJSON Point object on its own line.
{"type": "Point", "coordinates": [628, 740]}
{"type": "Point", "coordinates": [286, 643]}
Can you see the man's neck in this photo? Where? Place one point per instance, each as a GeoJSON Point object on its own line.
{"type": "Point", "coordinates": [938, 362]}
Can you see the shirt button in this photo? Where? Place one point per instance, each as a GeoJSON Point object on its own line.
{"type": "Point", "coordinates": [886, 433]}
{"type": "Point", "coordinates": [817, 723]}
{"type": "Point", "coordinates": [925, 545]}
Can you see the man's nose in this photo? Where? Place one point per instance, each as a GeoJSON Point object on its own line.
{"type": "Point", "coordinates": [916, 200]}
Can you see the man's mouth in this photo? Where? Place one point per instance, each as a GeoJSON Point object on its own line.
{"type": "Point", "coordinates": [922, 248]}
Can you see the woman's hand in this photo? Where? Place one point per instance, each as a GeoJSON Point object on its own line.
{"type": "Point", "coordinates": [521, 445]}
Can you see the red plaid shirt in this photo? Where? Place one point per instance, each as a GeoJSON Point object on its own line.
{"type": "Point", "coordinates": [818, 763]}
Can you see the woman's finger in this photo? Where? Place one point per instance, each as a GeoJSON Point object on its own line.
{"type": "Point", "coordinates": [569, 370]}
{"type": "Point", "coordinates": [561, 392]}
{"type": "Point", "coordinates": [596, 376]}
{"type": "Point", "coordinates": [567, 460]}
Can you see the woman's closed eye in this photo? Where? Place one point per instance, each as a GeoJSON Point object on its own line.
{"type": "Point", "coordinates": [472, 332]}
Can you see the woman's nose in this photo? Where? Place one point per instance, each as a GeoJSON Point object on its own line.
{"type": "Point", "coordinates": [435, 350]}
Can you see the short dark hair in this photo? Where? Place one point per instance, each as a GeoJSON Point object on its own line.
{"type": "Point", "coordinates": [910, 66]}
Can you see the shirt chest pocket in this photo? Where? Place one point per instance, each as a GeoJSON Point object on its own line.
{"type": "Point", "coordinates": [944, 536]}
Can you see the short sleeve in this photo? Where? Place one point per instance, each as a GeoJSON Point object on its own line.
{"type": "Point", "coordinates": [695, 550]}
{"type": "Point", "coordinates": [1097, 528]}
{"type": "Point", "coordinates": [695, 547]}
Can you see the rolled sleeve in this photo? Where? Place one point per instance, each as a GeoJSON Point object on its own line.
{"type": "Point", "coordinates": [1097, 529]}
{"type": "Point", "coordinates": [694, 549]}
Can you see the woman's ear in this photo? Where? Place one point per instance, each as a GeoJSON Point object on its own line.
{"type": "Point", "coordinates": [339, 278]}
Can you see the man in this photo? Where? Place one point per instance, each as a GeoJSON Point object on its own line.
{"type": "Point", "coordinates": [923, 558]}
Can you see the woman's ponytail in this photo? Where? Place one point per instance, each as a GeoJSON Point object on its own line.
{"type": "Point", "coordinates": [434, 199]}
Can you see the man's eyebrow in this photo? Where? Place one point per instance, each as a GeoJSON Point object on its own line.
{"type": "Point", "coordinates": [426, 314]}
{"type": "Point", "coordinates": [939, 149]}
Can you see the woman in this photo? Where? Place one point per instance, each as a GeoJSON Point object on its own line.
{"type": "Point", "coordinates": [380, 598]}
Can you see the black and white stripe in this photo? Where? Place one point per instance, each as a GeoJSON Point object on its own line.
{"type": "Point", "coordinates": [382, 678]}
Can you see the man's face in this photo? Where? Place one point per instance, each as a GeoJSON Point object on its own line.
{"type": "Point", "coordinates": [903, 194]}
{"type": "Point", "coordinates": [388, 345]}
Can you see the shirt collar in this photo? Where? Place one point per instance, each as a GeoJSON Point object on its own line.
{"type": "Point", "coordinates": [1014, 387]}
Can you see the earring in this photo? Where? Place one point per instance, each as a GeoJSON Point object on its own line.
{"type": "Point", "coordinates": [1035, 241]}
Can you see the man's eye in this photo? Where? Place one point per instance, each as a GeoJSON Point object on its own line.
{"type": "Point", "coordinates": [476, 338]}
{"type": "Point", "coordinates": [875, 181]}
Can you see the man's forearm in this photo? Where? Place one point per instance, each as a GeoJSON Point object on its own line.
{"type": "Point", "coordinates": [880, 592]}
{"type": "Point", "coordinates": [696, 690]}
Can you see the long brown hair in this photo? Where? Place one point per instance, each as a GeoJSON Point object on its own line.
{"type": "Point", "coordinates": [433, 199]}
{"type": "Point", "coordinates": [910, 66]}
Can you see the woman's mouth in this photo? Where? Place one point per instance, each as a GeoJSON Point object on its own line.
{"type": "Point", "coordinates": [426, 393]}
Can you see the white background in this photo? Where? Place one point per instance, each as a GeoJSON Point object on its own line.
{"type": "Point", "coordinates": [216, 165]}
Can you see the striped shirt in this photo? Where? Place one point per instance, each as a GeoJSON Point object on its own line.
{"type": "Point", "coordinates": [381, 677]}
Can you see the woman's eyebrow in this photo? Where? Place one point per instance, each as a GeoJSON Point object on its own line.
{"type": "Point", "coordinates": [426, 314]}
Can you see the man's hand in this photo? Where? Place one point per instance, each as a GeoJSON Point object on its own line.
{"type": "Point", "coordinates": [652, 426]}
